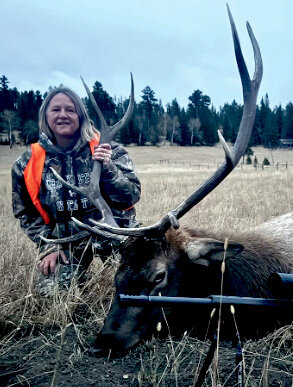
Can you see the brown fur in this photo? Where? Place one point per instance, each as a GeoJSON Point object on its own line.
{"type": "Point", "coordinates": [166, 266]}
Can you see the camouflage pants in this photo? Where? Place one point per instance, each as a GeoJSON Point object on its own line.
{"type": "Point", "coordinates": [79, 257]}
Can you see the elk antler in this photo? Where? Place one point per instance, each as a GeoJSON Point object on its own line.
{"type": "Point", "coordinates": [92, 191]}
{"type": "Point", "coordinates": [250, 91]}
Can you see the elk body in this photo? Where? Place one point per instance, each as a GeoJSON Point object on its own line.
{"type": "Point", "coordinates": [188, 263]}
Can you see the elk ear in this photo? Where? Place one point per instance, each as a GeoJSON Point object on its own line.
{"type": "Point", "coordinates": [206, 251]}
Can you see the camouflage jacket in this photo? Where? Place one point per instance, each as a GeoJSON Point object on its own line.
{"type": "Point", "coordinates": [119, 186]}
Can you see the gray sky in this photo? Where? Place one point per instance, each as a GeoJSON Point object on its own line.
{"type": "Point", "coordinates": [173, 46]}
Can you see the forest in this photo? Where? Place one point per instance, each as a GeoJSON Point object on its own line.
{"type": "Point", "coordinates": [151, 123]}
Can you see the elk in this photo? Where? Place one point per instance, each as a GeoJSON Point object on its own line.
{"type": "Point", "coordinates": [171, 261]}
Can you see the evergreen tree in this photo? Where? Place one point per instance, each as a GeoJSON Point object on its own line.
{"type": "Point", "coordinates": [149, 106]}
{"type": "Point", "coordinates": [6, 100]}
{"type": "Point", "coordinates": [287, 131]}
{"type": "Point", "coordinates": [257, 130]}
{"type": "Point", "coordinates": [264, 111]}
{"type": "Point", "coordinates": [279, 114]}
{"type": "Point", "coordinates": [270, 136]}
{"type": "Point", "coordinates": [105, 103]}
{"type": "Point", "coordinates": [30, 132]}
{"type": "Point", "coordinates": [199, 108]}
{"type": "Point", "coordinates": [10, 122]}
{"type": "Point", "coordinates": [184, 131]}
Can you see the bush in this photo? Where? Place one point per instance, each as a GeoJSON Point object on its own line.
{"type": "Point", "coordinates": [266, 161]}
{"type": "Point", "coordinates": [248, 160]}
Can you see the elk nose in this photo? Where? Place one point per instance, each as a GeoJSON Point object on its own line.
{"type": "Point", "coordinates": [106, 345]}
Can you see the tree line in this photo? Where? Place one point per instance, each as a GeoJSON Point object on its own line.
{"type": "Point", "coordinates": [151, 123]}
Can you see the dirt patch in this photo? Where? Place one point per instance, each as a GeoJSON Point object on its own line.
{"type": "Point", "coordinates": [60, 358]}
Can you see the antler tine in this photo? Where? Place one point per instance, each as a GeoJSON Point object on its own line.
{"type": "Point", "coordinates": [72, 238]}
{"type": "Point", "coordinates": [250, 91]}
{"type": "Point", "coordinates": [108, 132]}
{"type": "Point", "coordinates": [115, 128]}
{"type": "Point", "coordinates": [92, 193]}
{"type": "Point", "coordinates": [97, 109]}
{"type": "Point", "coordinates": [83, 234]}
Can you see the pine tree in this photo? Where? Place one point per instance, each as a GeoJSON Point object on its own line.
{"type": "Point", "coordinates": [270, 136]}
{"type": "Point", "coordinates": [198, 108]}
{"type": "Point", "coordinates": [149, 106]}
{"type": "Point", "coordinates": [264, 111]}
{"type": "Point", "coordinates": [287, 131]}
{"type": "Point", "coordinates": [6, 100]}
{"type": "Point", "coordinates": [105, 103]}
{"type": "Point", "coordinates": [279, 114]}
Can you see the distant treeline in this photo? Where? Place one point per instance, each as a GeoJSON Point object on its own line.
{"type": "Point", "coordinates": [151, 122]}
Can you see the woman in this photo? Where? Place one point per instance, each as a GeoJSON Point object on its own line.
{"type": "Point", "coordinates": [68, 142]}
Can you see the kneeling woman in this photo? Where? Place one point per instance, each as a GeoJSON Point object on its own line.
{"type": "Point", "coordinates": [69, 143]}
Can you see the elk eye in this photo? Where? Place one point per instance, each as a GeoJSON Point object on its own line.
{"type": "Point", "coordinates": [159, 277]}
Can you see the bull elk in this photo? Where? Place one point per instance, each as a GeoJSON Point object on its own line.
{"type": "Point", "coordinates": [172, 261]}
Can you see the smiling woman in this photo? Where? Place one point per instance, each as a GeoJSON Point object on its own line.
{"type": "Point", "coordinates": [71, 145]}
{"type": "Point", "coordinates": [63, 120]}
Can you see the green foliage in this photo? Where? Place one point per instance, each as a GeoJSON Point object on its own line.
{"type": "Point", "coordinates": [249, 151]}
{"type": "Point", "coordinates": [30, 132]}
{"type": "Point", "coordinates": [287, 131]}
{"type": "Point", "coordinates": [105, 103]}
{"type": "Point", "coordinates": [248, 160]}
{"type": "Point", "coordinates": [229, 118]}
{"type": "Point", "coordinates": [266, 161]}
{"type": "Point", "coordinates": [197, 125]}
{"type": "Point", "coordinates": [270, 138]}
{"type": "Point", "coordinates": [199, 114]}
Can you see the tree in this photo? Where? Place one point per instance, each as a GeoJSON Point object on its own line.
{"type": "Point", "coordinates": [194, 125]}
{"type": "Point", "coordinates": [30, 131]}
{"type": "Point", "coordinates": [139, 121]}
{"type": "Point", "coordinates": [264, 110]}
{"type": "Point", "coordinates": [287, 131]}
{"type": "Point", "coordinates": [198, 101]}
{"type": "Point", "coordinates": [257, 130]}
{"type": "Point", "coordinates": [174, 126]}
{"type": "Point", "coordinates": [198, 108]}
{"type": "Point", "coordinates": [105, 103]}
{"type": "Point", "coordinates": [230, 117]}
{"type": "Point", "coordinates": [4, 83]}
{"type": "Point", "coordinates": [6, 100]}
{"type": "Point", "coordinates": [279, 114]}
{"type": "Point", "coordinates": [270, 136]}
{"type": "Point", "coordinates": [10, 121]}
{"type": "Point", "coordinates": [162, 127]}
{"type": "Point", "coordinates": [148, 106]}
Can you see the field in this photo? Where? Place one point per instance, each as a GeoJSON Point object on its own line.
{"type": "Point", "coordinates": [43, 341]}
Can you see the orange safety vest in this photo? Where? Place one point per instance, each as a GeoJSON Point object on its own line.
{"type": "Point", "coordinates": [33, 174]}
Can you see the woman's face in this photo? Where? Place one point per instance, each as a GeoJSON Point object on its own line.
{"type": "Point", "coordinates": [62, 117]}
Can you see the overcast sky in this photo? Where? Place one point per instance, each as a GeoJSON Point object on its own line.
{"type": "Point", "coordinates": [175, 47]}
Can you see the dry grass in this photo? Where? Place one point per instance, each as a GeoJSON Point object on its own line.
{"type": "Point", "coordinates": [248, 197]}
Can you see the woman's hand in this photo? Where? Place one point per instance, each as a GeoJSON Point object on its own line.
{"type": "Point", "coordinates": [48, 263]}
{"type": "Point", "coordinates": [103, 153]}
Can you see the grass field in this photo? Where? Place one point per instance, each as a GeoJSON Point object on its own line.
{"type": "Point", "coordinates": [49, 344]}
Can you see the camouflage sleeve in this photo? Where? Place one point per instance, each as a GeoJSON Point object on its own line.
{"type": "Point", "coordinates": [119, 183]}
{"type": "Point", "coordinates": [31, 221]}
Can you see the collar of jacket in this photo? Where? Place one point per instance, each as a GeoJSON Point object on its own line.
{"type": "Point", "coordinates": [34, 169]}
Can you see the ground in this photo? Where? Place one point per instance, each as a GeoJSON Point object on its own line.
{"type": "Point", "coordinates": [41, 347]}
{"type": "Point", "coordinates": [60, 357]}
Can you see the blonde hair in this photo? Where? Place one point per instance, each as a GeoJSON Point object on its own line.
{"type": "Point", "coordinates": [86, 126]}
